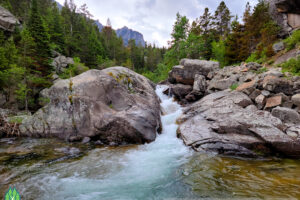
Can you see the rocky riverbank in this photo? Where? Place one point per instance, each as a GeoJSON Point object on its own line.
{"type": "Point", "coordinates": [247, 110]}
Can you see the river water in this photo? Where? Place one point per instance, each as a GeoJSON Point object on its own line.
{"type": "Point", "coordinates": [165, 169]}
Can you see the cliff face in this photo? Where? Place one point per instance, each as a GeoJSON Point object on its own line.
{"type": "Point", "coordinates": [286, 13]}
{"type": "Point", "coordinates": [129, 34]}
{"type": "Point", "coordinates": [100, 26]}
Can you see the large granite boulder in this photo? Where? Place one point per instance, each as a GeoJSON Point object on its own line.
{"type": "Point", "coordinates": [221, 84]}
{"type": "Point", "coordinates": [221, 122]}
{"type": "Point", "coordinates": [278, 85]}
{"type": "Point", "coordinates": [188, 68]}
{"type": "Point", "coordinates": [115, 106]}
{"type": "Point", "coordinates": [286, 115]}
{"type": "Point", "coordinates": [8, 21]}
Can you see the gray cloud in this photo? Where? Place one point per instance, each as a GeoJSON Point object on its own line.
{"type": "Point", "coordinates": [154, 18]}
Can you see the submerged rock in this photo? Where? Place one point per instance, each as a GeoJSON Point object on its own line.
{"type": "Point", "coordinates": [115, 105]}
{"type": "Point", "coordinates": [220, 123]}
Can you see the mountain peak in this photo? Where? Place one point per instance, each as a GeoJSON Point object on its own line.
{"type": "Point", "coordinates": [129, 34]}
{"type": "Point", "coordinates": [126, 34]}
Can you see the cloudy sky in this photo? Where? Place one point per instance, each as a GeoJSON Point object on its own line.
{"type": "Point", "coordinates": [154, 18]}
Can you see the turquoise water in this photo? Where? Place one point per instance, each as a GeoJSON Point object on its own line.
{"type": "Point", "coordinates": [164, 169]}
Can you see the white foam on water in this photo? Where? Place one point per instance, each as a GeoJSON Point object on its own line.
{"type": "Point", "coordinates": [139, 173]}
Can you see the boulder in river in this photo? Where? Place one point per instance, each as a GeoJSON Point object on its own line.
{"type": "Point", "coordinates": [115, 105]}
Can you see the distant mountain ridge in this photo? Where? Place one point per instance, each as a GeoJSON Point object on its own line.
{"type": "Point", "coordinates": [126, 34]}
{"type": "Point", "coordinates": [58, 4]}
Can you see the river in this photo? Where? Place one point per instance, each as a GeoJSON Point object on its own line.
{"type": "Point", "coordinates": [165, 169]}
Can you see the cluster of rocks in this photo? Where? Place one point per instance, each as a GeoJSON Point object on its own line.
{"type": "Point", "coordinates": [8, 21]}
{"type": "Point", "coordinates": [189, 79]}
{"type": "Point", "coordinates": [245, 108]}
{"type": "Point", "coordinates": [112, 106]}
{"type": "Point", "coordinates": [60, 63]}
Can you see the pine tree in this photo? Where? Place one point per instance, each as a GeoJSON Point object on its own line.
{"type": "Point", "coordinates": [234, 51]}
{"type": "Point", "coordinates": [38, 32]}
{"type": "Point", "coordinates": [179, 36]}
{"type": "Point", "coordinates": [208, 34]}
{"type": "Point", "coordinates": [205, 22]}
{"type": "Point", "coordinates": [56, 29]}
{"type": "Point", "coordinates": [247, 13]}
{"type": "Point", "coordinates": [95, 48]}
{"type": "Point", "coordinates": [180, 29]}
{"type": "Point", "coordinates": [27, 51]}
{"type": "Point", "coordinates": [222, 19]}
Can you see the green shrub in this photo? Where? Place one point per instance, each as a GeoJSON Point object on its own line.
{"type": "Point", "coordinates": [218, 51]}
{"type": "Point", "coordinates": [293, 41]}
{"type": "Point", "coordinates": [252, 58]}
{"type": "Point", "coordinates": [105, 63]}
{"type": "Point", "coordinates": [161, 73]}
{"type": "Point", "coordinates": [234, 86]}
{"type": "Point", "coordinates": [292, 66]}
{"type": "Point", "coordinates": [16, 120]}
{"type": "Point", "coordinates": [74, 70]}
{"type": "Point", "coordinates": [261, 70]}
{"type": "Point", "coordinates": [258, 58]}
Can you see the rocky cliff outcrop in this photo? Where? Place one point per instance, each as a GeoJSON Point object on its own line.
{"type": "Point", "coordinates": [8, 21]}
{"type": "Point", "coordinates": [286, 13]}
{"type": "Point", "coordinates": [113, 106]}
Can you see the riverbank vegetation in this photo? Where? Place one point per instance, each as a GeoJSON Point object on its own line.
{"type": "Point", "coordinates": [48, 30]}
{"type": "Point", "coordinates": [222, 37]}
